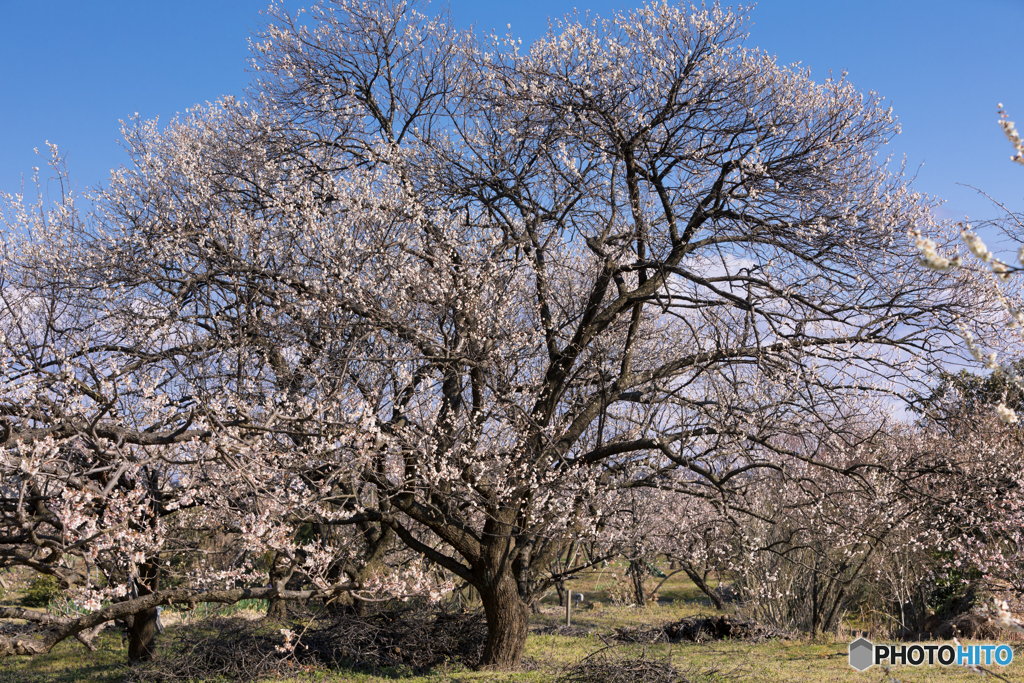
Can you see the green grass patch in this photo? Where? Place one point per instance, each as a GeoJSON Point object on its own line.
{"type": "Point", "coordinates": [548, 656]}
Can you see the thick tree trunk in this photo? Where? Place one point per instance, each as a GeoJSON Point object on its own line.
{"type": "Point", "coordinates": [277, 607]}
{"type": "Point", "coordinates": [142, 636]}
{"type": "Point", "coordinates": [373, 565]}
{"type": "Point", "coordinates": [143, 629]}
{"type": "Point", "coordinates": [362, 608]}
{"type": "Point", "coordinates": [507, 617]}
{"type": "Point", "coordinates": [378, 538]}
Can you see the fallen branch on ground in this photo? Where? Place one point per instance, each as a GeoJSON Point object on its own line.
{"type": "Point", "coordinates": [86, 627]}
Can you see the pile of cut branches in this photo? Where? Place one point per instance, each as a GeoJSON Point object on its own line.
{"type": "Point", "coordinates": [701, 629]}
{"type": "Point", "coordinates": [413, 638]}
{"type": "Point", "coordinates": [610, 666]}
{"type": "Point", "coordinates": [231, 649]}
{"type": "Point", "coordinates": [410, 640]}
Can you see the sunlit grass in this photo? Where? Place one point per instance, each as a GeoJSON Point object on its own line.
{"type": "Point", "coordinates": [795, 661]}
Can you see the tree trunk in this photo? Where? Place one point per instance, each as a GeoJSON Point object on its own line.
{"type": "Point", "coordinates": [142, 636]}
{"type": "Point", "coordinates": [507, 617]}
{"type": "Point", "coordinates": [362, 608]}
{"type": "Point", "coordinates": [143, 629]}
{"type": "Point", "coordinates": [638, 572]}
{"type": "Point", "coordinates": [277, 607]}
{"type": "Point", "coordinates": [560, 589]}
{"type": "Point", "coordinates": [361, 577]}
{"type": "Point", "coordinates": [699, 581]}
{"type": "Point", "coordinates": [814, 598]}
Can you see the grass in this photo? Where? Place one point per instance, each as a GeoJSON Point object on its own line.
{"type": "Point", "coordinates": [69, 662]}
{"type": "Point", "coordinates": [778, 661]}
{"type": "Point", "coordinates": [797, 661]}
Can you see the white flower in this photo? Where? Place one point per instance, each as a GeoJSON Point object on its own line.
{"type": "Point", "coordinates": [925, 245]}
{"type": "Point", "coordinates": [1014, 137]}
{"type": "Point", "coordinates": [930, 257]}
{"type": "Point", "coordinates": [976, 246]}
{"type": "Point", "coordinates": [1005, 618]}
{"type": "Point", "coordinates": [975, 350]}
{"type": "Point", "coordinates": [1005, 414]}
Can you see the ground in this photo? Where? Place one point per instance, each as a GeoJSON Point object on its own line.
{"type": "Point", "coordinates": [550, 654]}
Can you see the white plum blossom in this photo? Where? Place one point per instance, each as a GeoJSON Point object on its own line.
{"type": "Point", "coordinates": [930, 257]}
{"type": "Point", "coordinates": [1012, 135]}
{"type": "Point", "coordinates": [976, 246]}
{"type": "Point", "coordinates": [1007, 415]}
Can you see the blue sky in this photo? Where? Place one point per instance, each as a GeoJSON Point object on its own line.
{"type": "Point", "coordinates": [70, 69]}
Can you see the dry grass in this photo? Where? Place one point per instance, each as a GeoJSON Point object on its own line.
{"type": "Point", "coordinates": [554, 655]}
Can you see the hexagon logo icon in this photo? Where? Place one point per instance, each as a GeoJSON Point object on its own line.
{"type": "Point", "coordinates": [862, 654]}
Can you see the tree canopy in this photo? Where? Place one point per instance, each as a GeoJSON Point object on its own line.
{"type": "Point", "coordinates": [432, 286]}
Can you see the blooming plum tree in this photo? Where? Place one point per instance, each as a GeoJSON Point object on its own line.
{"type": "Point", "coordinates": [459, 292]}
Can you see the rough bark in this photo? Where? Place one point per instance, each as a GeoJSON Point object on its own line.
{"type": "Point", "coordinates": [507, 620]}
{"type": "Point", "coordinates": [280, 573]}
{"type": "Point", "coordinates": [491, 571]}
{"type": "Point", "coordinates": [378, 537]}
{"type": "Point", "coordinates": [142, 636]}
{"type": "Point", "coordinates": [143, 630]}
{"type": "Point", "coordinates": [362, 608]}
{"type": "Point", "coordinates": [277, 607]}
{"type": "Point", "coordinates": [638, 572]}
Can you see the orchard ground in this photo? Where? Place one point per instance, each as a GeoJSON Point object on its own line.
{"type": "Point", "coordinates": [548, 656]}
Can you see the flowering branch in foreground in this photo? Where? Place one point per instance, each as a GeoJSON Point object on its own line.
{"type": "Point", "coordinates": [1001, 272]}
